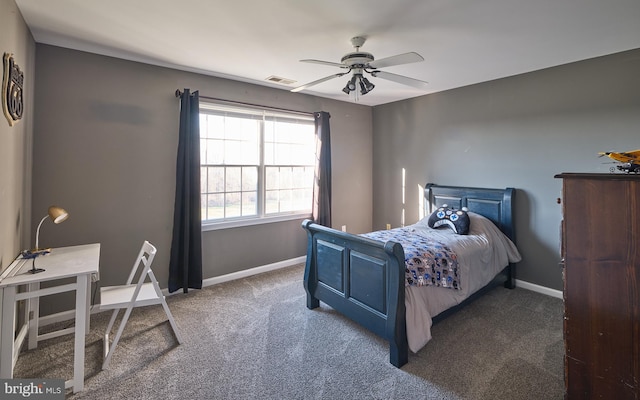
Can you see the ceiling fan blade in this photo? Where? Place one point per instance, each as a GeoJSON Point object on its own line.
{"type": "Point", "coordinates": [326, 78]}
{"type": "Point", "coordinates": [400, 79]}
{"type": "Point", "coordinates": [332, 64]}
{"type": "Point", "coordinates": [405, 58]}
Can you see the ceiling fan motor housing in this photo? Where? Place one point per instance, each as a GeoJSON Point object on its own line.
{"type": "Point", "coordinates": [358, 58]}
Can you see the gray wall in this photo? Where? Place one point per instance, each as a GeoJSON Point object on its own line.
{"type": "Point", "coordinates": [15, 142]}
{"type": "Point", "coordinates": [517, 132]}
{"type": "Point", "coordinates": [105, 138]}
{"type": "Point", "coordinates": [105, 143]}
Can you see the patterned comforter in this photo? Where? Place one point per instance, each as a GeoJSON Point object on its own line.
{"type": "Point", "coordinates": [428, 262]}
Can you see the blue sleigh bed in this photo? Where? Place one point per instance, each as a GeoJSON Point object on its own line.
{"type": "Point", "coordinates": [363, 279]}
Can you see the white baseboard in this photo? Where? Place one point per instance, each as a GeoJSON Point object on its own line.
{"type": "Point", "coordinates": [70, 314]}
{"type": "Point", "coordinates": [540, 289]}
{"type": "Point", "coordinates": [246, 273]}
{"type": "Point", "coordinates": [253, 271]}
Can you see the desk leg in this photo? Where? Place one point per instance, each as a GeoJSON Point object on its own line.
{"type": "Point", "coordinates": [7, 332]}
{"type": "Point", "coordinates": [80, 332]}
{"type": "Point", "coordinates": [33, 315]}
{"type": "Point", "coordinates": [88, 304]}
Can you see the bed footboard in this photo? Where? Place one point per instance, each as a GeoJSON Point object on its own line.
{"type": "Point", "coordinates": [362, 279]}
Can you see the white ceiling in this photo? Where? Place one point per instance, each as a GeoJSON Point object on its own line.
{"type": "Point", "coordinates": [463, 41]}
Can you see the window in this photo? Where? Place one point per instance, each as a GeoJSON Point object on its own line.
{"type": "Point", "coordinates": [256, 164]}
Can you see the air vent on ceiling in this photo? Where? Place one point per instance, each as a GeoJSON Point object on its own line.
{"type": "Point", "coordinates": [282, 81]}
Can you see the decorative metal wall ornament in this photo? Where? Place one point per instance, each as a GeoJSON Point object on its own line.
{"type": "Point", "coordinates": [12, 89]}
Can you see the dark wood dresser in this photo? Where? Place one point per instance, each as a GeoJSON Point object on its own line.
{"type": "Point", "coordinates": [601, 253]}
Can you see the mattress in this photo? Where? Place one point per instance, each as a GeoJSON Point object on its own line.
{"type": "Point", "coordinates": [481, 255]}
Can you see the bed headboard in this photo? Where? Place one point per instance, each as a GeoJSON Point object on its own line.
{"type": "Point", "coordinates": [494, 204]}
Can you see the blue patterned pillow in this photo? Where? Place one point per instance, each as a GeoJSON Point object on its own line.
{"type": "Point", "coordinates": [457, 220]}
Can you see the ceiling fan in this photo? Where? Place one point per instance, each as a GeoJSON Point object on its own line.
{"type": "Point", "coordinates": [360, 62]}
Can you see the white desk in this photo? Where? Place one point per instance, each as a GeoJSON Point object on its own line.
{"type": "Point", "coordinates": [79, 262]}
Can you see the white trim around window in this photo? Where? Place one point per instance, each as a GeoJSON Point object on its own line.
{"type": "Point", "coordinates": [240, 222]}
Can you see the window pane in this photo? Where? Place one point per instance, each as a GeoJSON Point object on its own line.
{"type": "Point", "coordinates": [300, 177]}
{"type": "Point", "coordinates": [286, 178]}
{"type": "Point", "coordinates": [233, 179]}
{"type": "Point", "coordinates": [249, 203]}
{"type": "Point", "coordinates": [232, 205]}
{"type": "Point", "coordinates": [269, 153]}
{"type": "Point", "coordinates": [215, 179]}
{"type": "Point", "coordinates": [301, 154]}
{"type": "Point", "coordinates": [203, 183]}
{"type": "Point", "coordinates": [204, 126]}
{"type": "Point", "coordinates": [232, 152]}
{"type": "Point", "coordinates": [203, 207]}
{"type": "Point", "coordinates": [213, 127]}
{"type": "Point", "coordinates": [215, 206]}
{"type": "Point", "coordinates": [250, 178]}
{"type": "Point", "coordinates": [233, 126]}
{"type": "Point", "coordinates": [302, 199]}
{"type": "Point", "coordinates": [271, 202]}
{"type": "Point", "coordinates": [250, 150]}
{"type": "Point", "coordinates": [289, 143]}
{"type": "Point", "coordinates": [269, 131]}
{"type": "Point", "coordinates": [272, 181]}
{"type": "Point", "coordinates": [283, 153]}
{"type": "Point", "coordinates": [212, 151]}
{"type": "Point", "coordinates": [286, 200]}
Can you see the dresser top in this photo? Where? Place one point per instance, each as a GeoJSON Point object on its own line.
{"type": "Point", "coordinates": [615, 176]}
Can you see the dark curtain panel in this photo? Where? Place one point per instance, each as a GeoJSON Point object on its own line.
{"type": "Point", "coordinates": [322, 182]}
{"type": "Point", "coordinates": [185, 265]}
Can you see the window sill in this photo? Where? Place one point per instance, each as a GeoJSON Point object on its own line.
{"type": "Point", "coordinates": [213, 226]}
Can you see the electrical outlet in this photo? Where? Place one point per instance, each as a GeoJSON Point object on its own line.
{"type": "Point", "coordinates": [388, 226]}
{"type": "Point", "coordinates": [344, 228]}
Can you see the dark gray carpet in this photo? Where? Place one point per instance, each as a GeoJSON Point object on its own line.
{"type": "Point", "coordinates": [254, 338]}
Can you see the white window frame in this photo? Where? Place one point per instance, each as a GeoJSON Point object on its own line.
{"type": "Point", "coordinates": [261, 217]}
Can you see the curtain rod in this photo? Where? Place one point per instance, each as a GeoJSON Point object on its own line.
{"type": "Point", "coordinates": [179, 93]}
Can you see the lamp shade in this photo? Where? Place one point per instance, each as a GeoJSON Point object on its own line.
{"type": "Point", "coordinates": [58, 214]}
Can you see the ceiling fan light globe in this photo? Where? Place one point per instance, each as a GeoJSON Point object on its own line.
{"type": "Point", "coordinates": [363, 88]}
{"type": "Point", "coordinates": [352, 83]}
{"type": "Point", "coordinates": [368, 85]}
